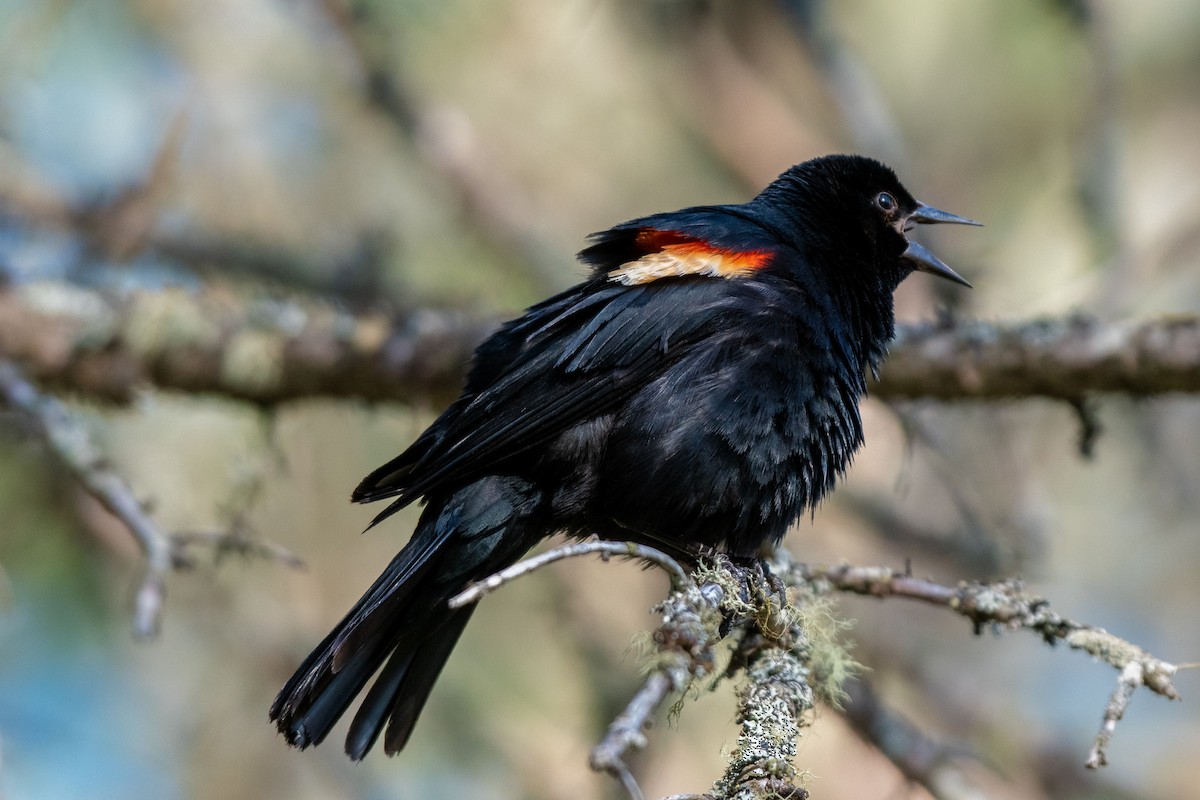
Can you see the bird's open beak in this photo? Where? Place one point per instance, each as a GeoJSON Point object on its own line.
{"type": "Point", "coordinates": [922, 259]}
{"type": "Point", "coordinates": [928, 215]}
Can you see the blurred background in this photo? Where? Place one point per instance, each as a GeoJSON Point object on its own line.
{"type": "Point", "coordinates": [452, 154]}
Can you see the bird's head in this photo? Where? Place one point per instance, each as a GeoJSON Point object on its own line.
{"type": "Point", "coordinates": [854, 212]}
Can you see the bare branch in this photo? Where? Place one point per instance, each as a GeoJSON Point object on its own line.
{"type": "Point", "coordinates": [74, 448]}
{"type": "Point", "coordinates": [625, 733]}
{"type": "Point", "coordinates": [475, 591]}
{"type": "Point", "coordinates": [124, 224]}
{"type": "Point", "coordinates": [919, 758]}
{"type": "Point", "coordinates": [686, 639]}
{"type": "Point", "coordinates": [233, 542]}
{"type": "Point", "coordinates": [71, 444]}
{"type": "Point", "coordinates": [1130, 679]}
{"type": "Point", "coordinates": [671, 675]}
{"type": "Point", "coordinates": [866, 118]}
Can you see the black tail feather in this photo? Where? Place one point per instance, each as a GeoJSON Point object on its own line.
{"type": "Point", "coordinates": [327, 706]}
{"type": "Point", "coordinates": [400, 692]}
{"type": "Point", "coordinates": [404, 620]}
{"type": "Point", "coordinates": [373, 713]}
{"type": "Point", "coordinates": [418, 682]}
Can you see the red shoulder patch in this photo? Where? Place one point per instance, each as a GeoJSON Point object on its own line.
{"type": "Point", "coordinates": [670, 254]}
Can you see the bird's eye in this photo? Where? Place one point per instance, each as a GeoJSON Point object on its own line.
{"type": "Point", "coordinates": [887, 204]}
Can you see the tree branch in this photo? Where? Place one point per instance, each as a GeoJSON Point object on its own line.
{"type": "Point", "coordinates": [476, 590]}
{"type": "Point", "coordinates": [919, 758]}
{"type": "Point", "coordinates": [262, 349]}
{"type": "Point", "coordinates": [494, 204]}
{"type": "Point", "coordinates": [1006, 606]}
{"type": "Point", "coordinates": [714, 602]}
{"type": "Point", "coordinates": [270, 350]}
{"type": "Point", "coordinates": [73, 447]}
{"type": "Point", "coordinates": [685, 640]}
{"type": "Point", "coordinates": [1061, 359]}
{"type": "Point", "coordinates": [625, 734]}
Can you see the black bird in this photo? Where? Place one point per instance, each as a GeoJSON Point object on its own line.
{"type": "Point", "coordinates": [700, 390]}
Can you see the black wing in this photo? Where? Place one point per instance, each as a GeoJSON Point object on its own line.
{"type": "Point", "coordinates": [572, 358]}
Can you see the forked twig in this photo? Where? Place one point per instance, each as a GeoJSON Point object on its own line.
{"type": "Point", "coordinates": [74, 448]}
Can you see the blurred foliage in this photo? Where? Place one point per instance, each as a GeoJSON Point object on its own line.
{"type": "Point", "coordinates": [402, 154]}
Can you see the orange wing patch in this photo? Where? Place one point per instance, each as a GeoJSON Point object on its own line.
{"type": "Point", "coordinates": [673, 255]}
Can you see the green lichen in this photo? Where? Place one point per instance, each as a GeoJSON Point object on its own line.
{"type": "Point", "coordinates": [252, 362]}
{"type": "Point", "coordinates": [167, 321]}
{"type": "Point", "coordinates": [828, 656]}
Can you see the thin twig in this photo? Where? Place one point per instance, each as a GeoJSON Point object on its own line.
{"type": "Point", "coordinates": [235, 541]}
{"type": "Point", "coordinates": [866, 118]}
{"type": "Point", "coordinates": [685, 642]}
{"type": "Point", "coordinates": [625, 732]}
{"type": "Point", "coordinates": [69, 441]}
{"type": "Point", "coordinates": [478, 589]}
{"type": "Point", "coordinates": [1131, 678]}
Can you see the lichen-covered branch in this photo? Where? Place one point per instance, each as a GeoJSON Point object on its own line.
{"type": "Point", "coordinates": [713, 602]}
{"type": "Point", "coordinates": [1005, 605]}
{"type": "Point", "coordinates": [270, 350]}
{"type": "Point", "coordinates": [772, 613]}
{"type": "Point", "coordinates": [772, 705]}
{"type": "Point", "coordinates": [262, 349]}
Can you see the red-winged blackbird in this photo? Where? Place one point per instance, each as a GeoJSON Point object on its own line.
{"type": "Point", "coordinates": [699, 390]}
